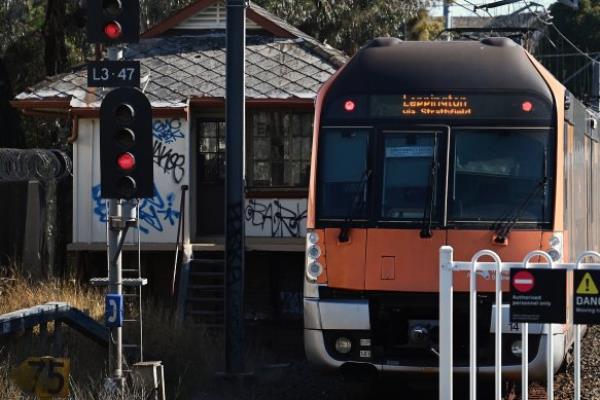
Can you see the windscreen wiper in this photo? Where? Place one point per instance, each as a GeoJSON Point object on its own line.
{"type": "Point", "coordinates": [428, 209]}
{"type": "Point", "coordinates": [431, 190]}
{"type": "Point", "coordinates": [503, 227]}
{"type": "Point", "coordinates": [343, 237]}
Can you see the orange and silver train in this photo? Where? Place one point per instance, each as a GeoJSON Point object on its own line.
{"type": "Point", "coordinates": [417, 145]}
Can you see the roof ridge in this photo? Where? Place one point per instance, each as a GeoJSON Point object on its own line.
{"type": "Point", "coordinates": [337, 57]}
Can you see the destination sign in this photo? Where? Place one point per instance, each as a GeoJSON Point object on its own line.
{"type": "Point", "coordinates": [434, 105]}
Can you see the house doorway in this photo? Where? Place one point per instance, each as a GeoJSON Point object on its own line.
{"type": "Point", "coordinates": [210, 195]}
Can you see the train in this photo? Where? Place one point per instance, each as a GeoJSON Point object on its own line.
{"type": "Point", "coordinates": [417, 145]}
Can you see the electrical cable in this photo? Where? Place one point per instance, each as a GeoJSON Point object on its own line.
{"type": "Point", "coordinates": [565, 38]}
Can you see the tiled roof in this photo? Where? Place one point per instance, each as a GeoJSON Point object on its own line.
{"type": "Point", "coordinates": [177, 68]}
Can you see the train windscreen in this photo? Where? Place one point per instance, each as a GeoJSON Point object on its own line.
{"type": "Point", "coordinates": [344, 172]}
{"type": "Point", "coordinates": [500, 174]}
{"type": "Point", "coordinates": [485, 176]}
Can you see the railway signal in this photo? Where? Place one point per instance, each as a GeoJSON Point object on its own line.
{"type": "Point", "coordinates": [113, 21]}
{"type": "Point", "coordinates": [126, 165]}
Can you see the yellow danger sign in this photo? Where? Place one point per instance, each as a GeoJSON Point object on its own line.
{"type": "Point", "coordinates": [46, 377]}
{"type": "Point", "coordinates": [587, 285]}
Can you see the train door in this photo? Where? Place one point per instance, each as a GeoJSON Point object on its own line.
{"type": "Point", "coordinates": [409, 207]}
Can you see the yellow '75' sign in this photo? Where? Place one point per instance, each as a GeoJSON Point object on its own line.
{"type": "Point", "coordinates": [46, 377]}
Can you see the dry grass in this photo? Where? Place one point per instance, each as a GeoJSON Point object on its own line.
{"type": "Point", "coordinates": [190, 356]}
{"type": "Point", "coordinates": [17, 293]}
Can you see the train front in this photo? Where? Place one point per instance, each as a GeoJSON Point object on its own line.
{"type": "Point", "coordinates": [419, 145]}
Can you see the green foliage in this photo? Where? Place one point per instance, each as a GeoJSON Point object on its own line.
{"type": "Point", "coordinates": [153, 11]}
{"type": "Point", "coordinates": [581, 26]}
{"type": "Point", "coordinates": [423, 27]}
{"type": "Point", "coordinates": [346, 24]}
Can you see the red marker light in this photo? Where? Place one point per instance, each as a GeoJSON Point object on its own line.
{"type": "Point", "coordinates": [126, 161]}
{"type": "Point", "coordinates": [527, 106]}
{"type": "Point", "coordinates": [349, 106]}
{"type": "Point", "coordinates": [113, 30]}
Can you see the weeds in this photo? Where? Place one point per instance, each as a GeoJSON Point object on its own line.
{"type": "Point", "coordinates": [190, 356]}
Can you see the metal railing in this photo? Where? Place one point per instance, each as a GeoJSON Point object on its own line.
{"type": "Point", "coordinates": [447, 268]}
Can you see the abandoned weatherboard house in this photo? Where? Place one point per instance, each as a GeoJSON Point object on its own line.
{"type": "Point", "coordinates": [183, 75]}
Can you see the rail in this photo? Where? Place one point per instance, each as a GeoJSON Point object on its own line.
{"type": "Point", "coordinates": [447, 268]}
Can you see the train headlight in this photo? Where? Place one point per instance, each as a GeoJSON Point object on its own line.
{"type": "Point", "coordinates": [313, 271]}
{"type": "Point", "coordinates": [516, 348]}
{"type": "Point", "coordinates": [555, 241]}
{"type": "Point", "coordinates": [313, 251]}
{"type": "Point", "coordinates": [554, 254]}
{"type": "Point", "coordinates": [343, 345]}
{"type": "Point", "coordinates": [556, 246]}
{"type": "Point", "coordinates": [312, 237]}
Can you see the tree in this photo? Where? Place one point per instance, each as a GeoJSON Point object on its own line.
{"type": "Point", "coordinates": [581, 26]}
{"type": "Point", "coordinates": [153, 11]}
{"type": "Point", "coordinates": [423, 27]}
{"type": "Point", "coordinates": [346, 24]}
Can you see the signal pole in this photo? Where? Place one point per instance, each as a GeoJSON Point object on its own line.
{"type": "Point", "coordinates": [447, 21]}
{"type": "Point", "coordinates": [234, 187]}
{"type": "Point", "coordinates": [126, 166]}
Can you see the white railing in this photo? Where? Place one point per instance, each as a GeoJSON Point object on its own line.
{"type": "Point", "coordinates": [447, 268]}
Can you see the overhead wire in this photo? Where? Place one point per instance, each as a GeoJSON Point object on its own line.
{"type": "Point", "coordinates": [562, 35]}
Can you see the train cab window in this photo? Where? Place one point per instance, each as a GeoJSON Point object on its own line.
{"type": "Point", "coordinates": [343, 173]}
{"type": "Point", "coordinates": [407, 175]}
{"type": "Point", "coordinates": [501, 175]}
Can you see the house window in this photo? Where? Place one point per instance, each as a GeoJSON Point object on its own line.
{"type": "Point", "coordinates": [279, 149]}
{"type": "Point", "coordinates": [212, 151]}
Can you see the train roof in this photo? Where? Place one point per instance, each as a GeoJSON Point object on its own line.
{"type": "Point", "coordinates": [392, 66]}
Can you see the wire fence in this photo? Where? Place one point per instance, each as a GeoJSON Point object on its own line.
{"type": "Point", "coordinates": [18, 165]}
{"type": "Point", "coordinates": [35, 210]}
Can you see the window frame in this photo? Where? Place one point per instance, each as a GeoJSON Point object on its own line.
{"type": "Point", "coordinates": [282, 191]}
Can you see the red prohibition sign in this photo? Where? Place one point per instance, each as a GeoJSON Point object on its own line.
{"type": "Point", "coordinates": [523, 281]}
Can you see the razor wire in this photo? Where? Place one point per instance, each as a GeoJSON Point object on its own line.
{"type": "Point", "coordinates": [22, 165]}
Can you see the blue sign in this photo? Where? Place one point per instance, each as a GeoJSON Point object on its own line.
{"type": "Point", "coordinates": [113, 314]}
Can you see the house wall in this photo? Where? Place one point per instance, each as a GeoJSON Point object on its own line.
{"type": "Point", "coordinates": [265, 217]}
{"type": "Point", "coordinates": [159, 216]}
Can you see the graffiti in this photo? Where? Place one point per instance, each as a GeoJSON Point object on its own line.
{"type": "Point", "coordinates": [99, 204]}
{"type": "Point", "coordinates": [169, 160]}
{"type": "Point", "coordinates": [155, 212]}
{"type": "Point", "coordinates": [277, 219]}
{"type": "Point", "coordinates": [167, 130]}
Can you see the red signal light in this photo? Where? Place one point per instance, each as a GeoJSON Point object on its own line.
{"type": "Point", "coordinates": [126, 161]}
{"type": "Point", "coordinates": [349, 105]}
{"type": "Point", "coordinates": [527, 106]}
{"type": "Point", "coordinates": [113, 30]}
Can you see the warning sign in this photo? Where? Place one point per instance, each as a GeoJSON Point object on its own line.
{"type": "Point", "coordinates": [587, 285]}
{"type": "Point", "coordinates": [538, 295]}
{"type": "Point", "coordinates": [586, 300]}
